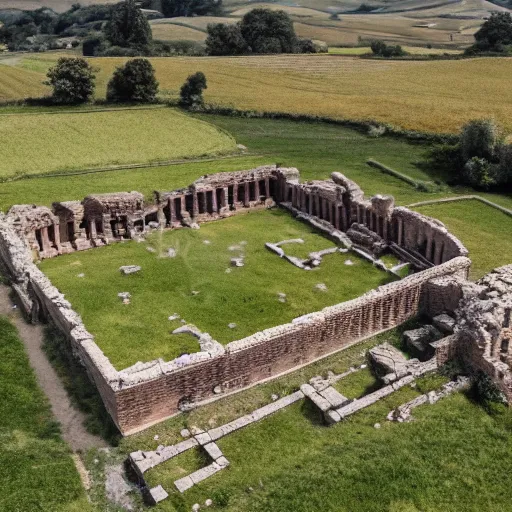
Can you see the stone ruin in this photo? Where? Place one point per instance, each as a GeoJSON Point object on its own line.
{"type": "Point", "coordinates": [149, 392]}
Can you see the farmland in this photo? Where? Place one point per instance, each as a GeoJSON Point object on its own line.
{"type": "Point", "coordinates": [36, 468]}
{"type": "Point", "coordinates": [102, 138]}
{"type": "Point", "coordinates": [427, 96]}
{"type": "Point", "coordinates": [141, 331]}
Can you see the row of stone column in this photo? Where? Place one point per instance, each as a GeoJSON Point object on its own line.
{"type": "Point", "coordinates": [372, 221]}
{"type": "Point", "coordinates": [46, 242]}
{"type": "Point", "coordinates": [315, 205]}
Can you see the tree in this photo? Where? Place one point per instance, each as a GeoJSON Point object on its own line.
{"type": "Point", "coordinates": [127, 26]}
{"type": "Point", "coordinates": [72, 80]}
{"type": "Point", "coordinates": [173, 8]}
{"type": "Point", "coordinates": [191, 94]}
{"type": "Point", "coordinates": [267, 31]}
{"type": "Point", "coordinates": [135, 81]}
{"type": "Point", "coordinates": [495, 33]}
{"type": "Point", "coordinates": [381, 49]}
{"type": "Point", "coordinates": [225, 39]}
{"type": "Point", "coordinates": [480, 138]}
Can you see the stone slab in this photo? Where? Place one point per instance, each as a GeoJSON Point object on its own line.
{"type": "Point", "coordinates": [158, 494]}
{"type": "Point", "coordinates": [335, 398]}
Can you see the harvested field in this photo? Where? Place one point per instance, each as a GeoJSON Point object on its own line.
{"type": "Point", "coordinates": [17, 83]}
{"type": "Point", "coordinates": [97, 139]}
{"type": "Point", "coordinates": [141, 331]}
{"type": "Point", "coordinates": [435, 96]}
{"type": "Point", "coordinates": [173, 32]}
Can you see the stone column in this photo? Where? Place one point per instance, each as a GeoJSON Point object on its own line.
{"type": "Point", "coordinates": [172, 210]}
{"type": "Point", "coordinates": [400, 230]}
{"type": "Point", "coordinates": [385, 224]}
{"type": "Point", "coordinates": [45, 240]}
{"type": "Point", "coordinates": [344, 222]}
{"type": "Point", "coordinates": [224, 197]}
{"type": "Point", "coordinates": [214, 201]}
{"type": "Point", "coordinates": [205, 202]}
{"type": "Point", "coordinates": [337, 217]}
{"type": "Point", "coordinates": [267, 188]}
{"type": "Point", "coordinates": [195, 205]}
{"type": "Point", "coordinates": [92, 229]}
{"type": "Point", "coordinates": [428, 251]}
{"type": "Point", "coordinates": [371, 220]}
{"type": "Point", "coordinates": [294, 195]}
{"type": "Point", "coordinates": [311, 199]}
{"type": "Point", "coordinates": [56, 234]}
{"type": "Point", "coordinates": [247, 196]}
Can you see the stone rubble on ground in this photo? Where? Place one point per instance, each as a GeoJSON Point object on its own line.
{"type": "Point", "coordinates": [321, 286]}
{"type": "Point", "coordinates": [129, 269]}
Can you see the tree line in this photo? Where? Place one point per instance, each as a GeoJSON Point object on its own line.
{"type": "Point", "coordinates": [73, 83]}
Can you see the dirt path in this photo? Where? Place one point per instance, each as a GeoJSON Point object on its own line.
{"type": "Point", "coordinates": [70, 418]}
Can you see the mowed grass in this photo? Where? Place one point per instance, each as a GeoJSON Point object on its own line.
{"type": "Point", "coordinates": [42, 143]}
{"type": "Point", "coordinates": [454, 457]}
{"type": "Point", "coordinates": [486, 232]}
{"type": "Point", "coordinates": [246, 296]}
{"type": "Point", "coordinates": [36, 468]}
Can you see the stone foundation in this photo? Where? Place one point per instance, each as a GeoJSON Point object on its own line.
{"type": "Point", "coordinates": [150, 392]}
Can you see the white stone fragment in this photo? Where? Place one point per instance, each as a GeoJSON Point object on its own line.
{"type": "Point", "coordinates": [208, 503]}
{"type": "Point", "coordinates": [232, 325]}
{"type": "Point", "coordinates": [321, 286]}
{"type": "Point", "coordinates": [349, 262]}
{"type": "Point", "coordinates": [129, 269]}
{"type": "Point", "coordinates": [150, 249]}
{"type": "Point", "coordinates": [171, 253]}
{"type": "Point", "coordinates": [185, 433]}
{"type": "Point", "coordinates": [206, 242]}
{"type": "Point", "coordinates": [196, 507]}
{"type": "Point", "coordinates": [81, 275]}
{"type": "Point", "coordinates": [174, 316]}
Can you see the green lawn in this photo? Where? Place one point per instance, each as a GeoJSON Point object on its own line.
{"type": "Point", "coordinates": [246, 296]}
{"type": "Point", "coordinates": [454, 457]}
{"type": "Point", "coordinates": [486, 232]}
{"type": "Point", "coordinates": [37, 472]}
{"type": "Point", "coordinates": [35, 143]}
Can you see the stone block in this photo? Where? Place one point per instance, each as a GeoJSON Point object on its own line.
{"type": "Point", "coordinates": [333, 397]}
{"type": "Point", "coordinates": [184, 484]}
{"type": "Point", "coordinates": [418, 340]}
{"type": "Point", "coordinates": [444, 323]}
{"type": "Point", "coordinates": [386, 359]}
{"type": "Point", "coordinates": [157, 494]}
{"type": "Point", "coordinates": [203, 438]}
{"type": "Point", "coordinates": [213, 450]}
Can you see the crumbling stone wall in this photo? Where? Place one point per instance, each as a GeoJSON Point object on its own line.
{"type": "Point", "coordinates": [149, 392]}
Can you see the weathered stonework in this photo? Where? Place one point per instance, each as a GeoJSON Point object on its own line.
{"type": "Point", "coordinates": [149, 392]}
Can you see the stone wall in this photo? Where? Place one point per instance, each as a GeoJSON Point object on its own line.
{"type": "Point", "coordinates": [149, 392]}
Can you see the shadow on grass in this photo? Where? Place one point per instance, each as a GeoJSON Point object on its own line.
{"type": "Point", "coordinates": [82, 391]}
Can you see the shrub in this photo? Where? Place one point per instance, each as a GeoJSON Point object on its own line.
{"type": "Point", "coordinates": [191, 93]}
{"type": "Point", "coordinates": [480, 138]}
{"type": "Point", "coordinates": [381, 49]}
{"type": "Point", "coordinates": [478, 173]}
{"type": "Point", "coordinates": [267, 31]}
{"type": "Point", "coordinates": [135, 81]}
{"type": "Point", "coordinates": [118, 51]}
{"type": "Point", "coordinates": [225, 39]}
{"type": "Point", "coordinates": [72, 80]}
{"type": "Point", "coordinates": [306, 46]}
{"type": "Point", "coordinates": [127, 26]}
{"type": "Point", "coordinates": [93, 46]}
{"type": "Point", "coordinates": [485, 390]}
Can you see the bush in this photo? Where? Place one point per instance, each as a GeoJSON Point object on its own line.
{"type": "Point", "coordinates": [225, 39]}
{"type": "Point", "coordinates": [191, 93]}
{"type": "Point", "coordinates": [306, 46]}
{"type": "Point", "coordinates": [480, 138]}
{"type": "Point", "coordinates": [381, 49]}
{"type": "Point", "coordinates": [485, 390]}
{"type": "Point", "coordinates": [135, 81]}
{"type": "Point", "coordinates": [495, 34]}
{"type": "Point", "coordinates": [478, 173]}
{"type": "Point", "coordinates": [93, 46]}
{"type": "Point", "coordinates": [72, 80]}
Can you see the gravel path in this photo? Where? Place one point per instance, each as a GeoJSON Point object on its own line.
{"type": "Point", "coordinates": [70, 418]}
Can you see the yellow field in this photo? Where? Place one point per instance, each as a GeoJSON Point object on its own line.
{"type": "Point", "coordinates": [413, 50]}
{"type": "Point", "coordinates": [434, 96]}
{"type": "Point", "coordinates": [294, 11]}
{"type": "Point", "coordinates": [171, 32]}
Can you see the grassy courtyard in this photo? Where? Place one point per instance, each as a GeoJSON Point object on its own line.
{"type": "Point", "coordinates": [245, 296]}
{"type": "Point", "coordinates": [36, 469]}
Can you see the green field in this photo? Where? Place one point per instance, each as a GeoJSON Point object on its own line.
{"type": "Point", "coordinates": [36, 143]}
{"type": "Point", "coordinates": [453, 458]}
{"type": "Point", "coordinates": [36, 468]}
{"type": "Point", "coordinates": [246, 296]}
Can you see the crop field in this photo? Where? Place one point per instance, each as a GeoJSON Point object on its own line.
{"type": "Point", "coordinates": [141, 331]}
{"type": "Point", "coordinates": [17, 83]}
{"type": "Point", "coordinates": [174, 32]}
{"type": "Point", "coordinates": [435, 96]}
{"type": "Point", "coordinates": [36, 467]}
{"type": "Point", "coordinates": [101, 138]}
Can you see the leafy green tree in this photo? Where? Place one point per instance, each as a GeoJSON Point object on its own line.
{"type": "Point", "coordinates": [267, 31]}
{"type": "Point", "coordinates": [135, 81]}
{"type": "Point", "coordinates": [72, 80]}
{"type": "Point", "coordinates": [191, 94]}
{"type": "Point", "coordinates": [478, 172]}
{"type": "Point", "coordinates": [495, 33]}
{"type": "Point", "coordinates": [127, 26]}
{"type": "Point", "coordinates": [381, 49]}
{"type": "Point", "coordinates": [173, 8]}
{"type": "Point", "coordinates": [480, 138]}
{"type": "Point", "coordinates": [225, 39]}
